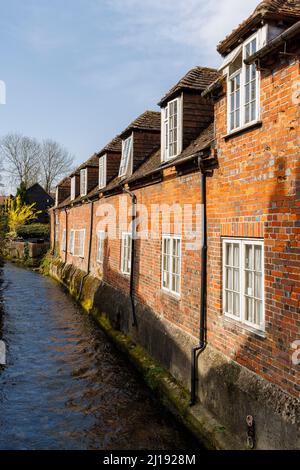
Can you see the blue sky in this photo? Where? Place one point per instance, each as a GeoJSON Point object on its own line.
{"type": "Point", "coordinates": [78, 71]}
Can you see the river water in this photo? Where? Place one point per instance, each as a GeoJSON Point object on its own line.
{"type": "Point", "coordinates": [65, 386]}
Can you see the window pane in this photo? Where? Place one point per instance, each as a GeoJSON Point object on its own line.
{"type": "Point", "coordinates": [228, 254]}
{"type": "Point", "coordinates": [236, 305]}
{"type": "Point", "coordinates": [229, 278]}
{"type": "Point", "coordinates": [236, 280]}
{"type": "Point", "coordinates": [248, 310]}
{"type": "Point", "coordinates": [258, 286]}
{"type": "Point", "coordinates": [258, 312]}
{"type": "Point", "coordinates": [229, 302]}
{"type": "Point", "coordinates": [257, 258]}
{"type": "Point", "coordinates": [248, 257]}
{"type": "Point", "coordinates": [248, 283]}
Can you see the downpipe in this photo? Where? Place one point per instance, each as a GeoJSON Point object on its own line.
{"type": "Point", "coordinates": [66, 241]}
{"type": "Point", "coordinates": [196, 351]}
{"type": "Point", "coordinates": [131, 293]}
{"type": "Point", "coordinates": [90, 248]}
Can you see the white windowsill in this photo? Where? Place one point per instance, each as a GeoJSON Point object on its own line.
{"type": "Point", "coordinates": [171, 294]}
{"type": "Point", "coordinates": [244, 326]}
{"type": "Point", "coordinates": [243, 128]}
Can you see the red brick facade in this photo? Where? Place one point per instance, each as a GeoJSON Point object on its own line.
{"type": "Point", "coordinates": [253, 193]}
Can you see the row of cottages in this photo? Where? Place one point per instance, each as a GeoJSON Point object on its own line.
{"type": "Point", "coordinates": [207, 276]}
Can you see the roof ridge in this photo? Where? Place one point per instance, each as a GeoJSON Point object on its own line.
{"type": "Point", "coordinates": [284, 8]}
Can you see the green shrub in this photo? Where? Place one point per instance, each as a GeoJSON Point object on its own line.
{"type": "Point", "coordinates": [33, 231]}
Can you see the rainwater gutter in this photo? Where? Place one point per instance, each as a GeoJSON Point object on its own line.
{"type": "Point", "coordinates": [131, 286]}
{"type": "Point", "coordinates": [196, 351]}
{"type": "Point", "coordinates": [89, 249]}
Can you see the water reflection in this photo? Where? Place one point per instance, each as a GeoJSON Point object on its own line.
{"type": "Point", "coordinates": [65, 386]}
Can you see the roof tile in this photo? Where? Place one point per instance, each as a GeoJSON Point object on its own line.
{"type": "Point", "coordinates": [196, 79]}
{"type": "Point", "coordinates": [268, 8]}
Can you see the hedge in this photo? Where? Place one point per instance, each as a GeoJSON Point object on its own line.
{"type": "Point", "coordinates": [33, 231]}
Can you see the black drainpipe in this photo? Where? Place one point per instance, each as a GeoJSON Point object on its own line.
{"type": "Point", "coordinates": [90, 248]}
{"type": "Point", "coordinates": [202, 328]}
{"type": "Point", "coordinates": [54, 232]}
{"type": "Point", "coordinates": [66, 241]}
{"type": "Point", "coordinates": [134, 202]}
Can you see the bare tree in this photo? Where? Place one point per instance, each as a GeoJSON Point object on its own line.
{"type": "Point", "coordinates": [56, 162]}
{"type": "Point", "coordinates": [22, 157]}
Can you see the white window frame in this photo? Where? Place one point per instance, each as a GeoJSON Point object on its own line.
{"type": "Point", "coordinates": [127, 153]}
{"type": "Point", "coordinates": [56, 196]}
{"type": "Point", "coordinates": [171, 239]}
{"type": "Point", "coordinates": [242, 73]}
{"type": "Point", "coordinates": [100, 246]}
{"type": "Point", "coordinates": [126, 253]}
{"type": "Point", "coordinates": [72, 242]}
{"type": "Point", "coordinates": [165, 129]}
{"type": "Point", "coordinates": [83, 182]}
{"type": "Point", "coordinates": [64, 240]}
{"type": "Point", "coordinates": [102, 171]}
{"type": "Point", "coordinates": [242, 243]}
{"type": "Point", "coordinates": [81, 247]}
{"type": "Point", "coordinates": [73, 188]}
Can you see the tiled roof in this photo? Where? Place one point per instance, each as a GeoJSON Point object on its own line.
{"type": "Point", "coordinates": [196, 79]}
{"type": "Point", "coordinates": [153, 163]}
{"type": "Point", "coordinates": [65, 181]}
{"type": "Point", "coordinates": [149, 120]}
{"type": "Point", "coordinates": [214, 85]}
{"type": "Point", "coordinates": [114, 146]}
{"type": "Point", "coordinates": [91, 162]}
{"type": "Point", "coordinates": [289, 9]}
{"type": "Point", "coordinates": [64, 203]}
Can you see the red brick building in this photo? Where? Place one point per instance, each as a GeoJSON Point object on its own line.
{"type": "Point", "coordinates": [208, 275]}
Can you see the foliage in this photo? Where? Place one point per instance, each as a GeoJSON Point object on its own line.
{"type": "Point", "coordinates": [3, 230]}
{"type": "Point", "coordinates": [19, 214]}
{"type": "Point", "coordinates": [28, 161]}
{"type": "Point", "coordinates": [21, 191]}
{"type": "Point", "coordinates": [33, 231]}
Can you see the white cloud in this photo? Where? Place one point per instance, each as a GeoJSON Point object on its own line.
{"type": "Point", "coordinates": [197, 24]}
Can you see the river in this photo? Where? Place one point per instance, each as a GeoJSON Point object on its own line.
{"type": "Point", "coordinates": [65, 386]}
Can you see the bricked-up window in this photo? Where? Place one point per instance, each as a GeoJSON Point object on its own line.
{"type": "Point", "coordinates": [73, 188]}
{"type": "Point", "coordinates": [126, 160]}
{"type": "Point", "coordinates": [126, 253]}
{"type": "Point", "coordinates": [171, 132]}
{"type": "Point", "coordinates": [102, 171]}
{"type": "Point", "coordinates": [83, 182]}
{"type": "Point", "coordinates": [63, 240]}
{"type": "Point", "coordinates": [100, 245]}
{"type": "Point", "coordinates": [171, 263]}
{"type": "Point", "coordinates": [243, 281]}
{"type": "Point", "coordinates": [243, 87]}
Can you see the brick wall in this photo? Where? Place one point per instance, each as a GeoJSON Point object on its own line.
{"type": "Point", "coordinates": [255, 193]}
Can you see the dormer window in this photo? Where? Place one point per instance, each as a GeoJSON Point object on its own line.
{"type": "Point", "coordinates": [102, 172]}
{"type": "Point", "coordinates": [126, 160]}
{"type": "Point", "coordinates": [243, 87]}
{"type": "Point", "coordinates": [73, 188]}
{"type": "Point", "coordinates": [56, 196]}
{"type": "Point", "coordinates": [171, 129]}
{"type": "Point", "coordinates": [83, 182]}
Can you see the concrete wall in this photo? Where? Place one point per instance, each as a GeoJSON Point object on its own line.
{"type": "Point", "coordinates": [226, 389]}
